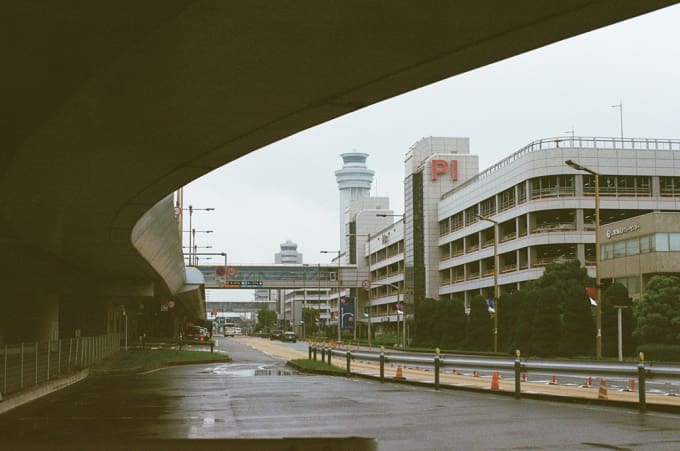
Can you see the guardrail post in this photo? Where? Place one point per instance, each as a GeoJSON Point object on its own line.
{"type": "Point", "coordinates": [382, 364]}
{"type": "Point", "coordinates": [436, 369]}
{"type": "Point", "coordinates": [328, 354]}
{"type": "Point", "coordinates": [310, 352]}
{"type": "Point", "coordinates": [349, 358]}
{"type": "Point", "coordinates": [212, 346]}
{"type": "Point", "coordinates": [314, 351]}
{"type": "Point", "coordinates": [518, 375]}
{"type": "Point", "coordinates": [323, 354]}
{"type": "Point", "coordinates": [641, 383]}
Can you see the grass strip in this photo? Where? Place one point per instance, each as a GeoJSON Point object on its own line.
{"type": "Point", "coordinates": [147, 359]}
{"type": "Point", "coordinates": [315, 366]}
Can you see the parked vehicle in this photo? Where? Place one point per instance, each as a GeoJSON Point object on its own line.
{"type": "Point", "coordinates": [229, 329]}
{"type": "Point", "coordinates": [196, 333]}
{"type": "Point", "coordinates": [276, 335]}
{"type": "Point", "coordinates": [289, 336]}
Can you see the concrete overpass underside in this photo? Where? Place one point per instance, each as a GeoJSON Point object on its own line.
{"type": "Point", "coordinates": [107, 107]}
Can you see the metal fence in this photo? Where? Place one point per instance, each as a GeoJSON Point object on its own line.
{"type": "Point", "coordinates": [27, 365]}
{"type": "Point", "coordinates": [642, 369]}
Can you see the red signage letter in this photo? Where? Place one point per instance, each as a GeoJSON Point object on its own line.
{"type": "Point", "coordinates": [439, 167]}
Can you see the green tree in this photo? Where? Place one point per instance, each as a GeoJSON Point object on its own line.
{"type": "Point", "coordinates": [452, 317]}
{"type": "Point", "coordinates": [578, 329]}
{"type": "Point", "coordinates": [523, 327]}
{"type": "Point", "coordinates": [266, 318]}
{"type": "Point", "coordinates": [508, 314]}
{"type": "Point", "coordinates": [546, 327]}
{"type": "Point", "coordinates": [658, 312]}
{"type": "Point", "coordinates": [428, 331]}
{"type": "Point", "coordinates": [478, 336]}
{"type": "Point", "coordinates": [309, 316]}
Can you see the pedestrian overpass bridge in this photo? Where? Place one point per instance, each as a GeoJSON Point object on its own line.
{"type": "Point", "coordinates": [282, 276]}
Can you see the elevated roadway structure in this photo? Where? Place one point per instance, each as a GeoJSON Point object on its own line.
{"type": "Point", "coordinates": [108, 107]}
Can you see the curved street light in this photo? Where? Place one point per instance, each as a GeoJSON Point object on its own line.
{"type": "Point", "coordinates": [598, 307]}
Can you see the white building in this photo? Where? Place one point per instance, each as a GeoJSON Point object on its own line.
{"type": "Point", "coordinates": [544, 209]}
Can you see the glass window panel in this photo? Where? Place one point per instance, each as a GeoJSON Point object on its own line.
{"type": "Point", "coordinates": [645, 244]}
{"type": "Point", "coordinates": [632, 246]}
{"type": "Point", "coordinates": [661, 242]}
{"type": "Point", "coordinates": [607, 251]}
{"type": "Point", "coordinates": [674, 241]}
{"type": "Point", "coordinates": [633, 285]}
{"type": "Point", "coordinates": [620, 249]}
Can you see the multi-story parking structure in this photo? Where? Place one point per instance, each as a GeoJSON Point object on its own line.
{"type": "Point", "coordinates": [385, 253]}
{"type": "Point", "coordinates": [545, 209]}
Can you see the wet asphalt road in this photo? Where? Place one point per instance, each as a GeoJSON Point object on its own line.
{"type": "Point", "coordinates": [230, 401]}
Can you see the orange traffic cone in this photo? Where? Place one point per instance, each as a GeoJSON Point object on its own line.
{"type": "Point", "coordinates": [494, 381]}
{"type": "Point", "coordinates": [399, 375]}
{"type": "Point", "coordinates": [602, 392]}
{"type": "Point", "coordinates": [475, 373]}
{"type": "Point", "coordinates": [524, 377]}
{"type": "Point", "coordinates": [553, 381]}
{"type": "Point", "coordinates": [590, 382]}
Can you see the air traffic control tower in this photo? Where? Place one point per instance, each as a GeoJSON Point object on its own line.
{"type": "Point", "coordinates": [354, 181]}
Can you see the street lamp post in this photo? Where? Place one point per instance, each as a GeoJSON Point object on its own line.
{"type": "Point", "coordinates": [191, 213]}
{"type": "Point", "coordinates": [620, 107]}
{"type": "Point", "coordinates": [192, 243]}
{"type": "Point", "coordinates": [598, 307]}
{"type": "Point", "coordinates": [356, 307]}
{"type": "Point", "coordinates": [339, 252]}
{"type": "Point", "coordinates": [496, 294]}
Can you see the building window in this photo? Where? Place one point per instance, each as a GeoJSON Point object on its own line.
{"type": "Point", "coordinates": [661, 242]}
{"type": "Point", "coordinates": [471, 215]}
{"type": "Point", "coordinates": [488, 206]}
{"type": "Point", "coordinates": [457, 221]}
{"type": "Point", "coordinates": [619, 249]}
{"type": "Point", "coordinates": [522, 192]}
{"type": "Point", "coordinates": [670, 186]}
{"type": "Point", "coordinates": [674, 239]}
{"type": "Point", "coordinates": [506, 199]}
{"type": "Point", "coordinates": [444, 227]}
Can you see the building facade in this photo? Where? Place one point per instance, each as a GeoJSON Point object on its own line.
{"type": "Point", "coordinates": [638, 248]}
{"type": "Point", "coordinates": [443, 246]}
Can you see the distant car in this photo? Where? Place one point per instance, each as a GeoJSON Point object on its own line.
{"type": "Point", "coordinates": [276, 335]}
{"type": "Point", "coordinates": [289, 336]}
{"type": "Point", "coordinates": [237, 330]}
{"type": "Point", "coordinates": [196, 333]}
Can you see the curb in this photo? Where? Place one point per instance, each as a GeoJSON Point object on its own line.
{"type": "Point", "coordinates": [13, 401]}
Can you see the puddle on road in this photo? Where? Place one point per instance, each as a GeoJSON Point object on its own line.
{"type": "Point", "coordinates": [247, 370]}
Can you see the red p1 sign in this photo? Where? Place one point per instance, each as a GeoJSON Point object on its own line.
{"type": "Point", "coordinates": [441, 167]}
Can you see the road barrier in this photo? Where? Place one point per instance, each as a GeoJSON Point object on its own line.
{"type": "Point", "coordinates": [518, 366]}
{"type": "Point", "coordinates": [26, 365]}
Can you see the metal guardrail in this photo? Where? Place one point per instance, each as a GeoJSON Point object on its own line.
{"type": "Point", "coordinates": [642, 369]}
{"type": "Point", "coordinates": [26, 365]}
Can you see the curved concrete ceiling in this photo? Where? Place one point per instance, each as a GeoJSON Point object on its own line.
{"type": "Point", "coordinates": [107, 107]}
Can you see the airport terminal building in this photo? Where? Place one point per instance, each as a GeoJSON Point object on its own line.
{"type": "Point", "coordinates": [443, 246]}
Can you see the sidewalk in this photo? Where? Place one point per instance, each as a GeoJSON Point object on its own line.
{"type": "Point", "coordinates": [469, 382]}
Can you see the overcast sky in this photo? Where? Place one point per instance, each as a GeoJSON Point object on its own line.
{"type": "Point", "coordinates": [287, 190]}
